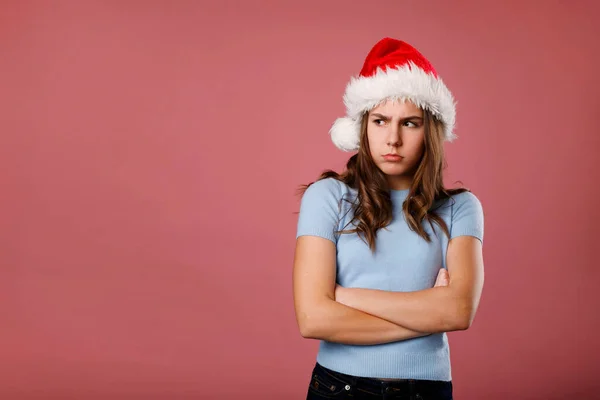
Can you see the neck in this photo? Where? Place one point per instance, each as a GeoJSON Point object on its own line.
{"type": "Point", "coordinates": [399, 183]}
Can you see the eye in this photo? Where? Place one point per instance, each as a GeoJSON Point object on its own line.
{"type": "Point", "coordinates": [410, 124]}
{"type": "Point", "coordinates": [377, 122]}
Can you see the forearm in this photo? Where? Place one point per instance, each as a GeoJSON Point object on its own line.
{"type": "Point", "coordinates": [433, 310]}
{"type": "Point", "coordinates": [335, 322]}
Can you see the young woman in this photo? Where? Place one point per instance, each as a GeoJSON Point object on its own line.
{"type": "Point", "coordinates": [387, 260]}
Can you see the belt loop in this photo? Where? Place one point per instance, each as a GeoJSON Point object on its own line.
{"type": "Point", "coordinates": [385, 387]}
{"type": "Point", "coordinates": [412, 389]}
{"type": "Point", "coordinates": [354, 380]}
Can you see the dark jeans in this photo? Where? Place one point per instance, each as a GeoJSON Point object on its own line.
{"type": "Point", "coordinates": [328, 384]}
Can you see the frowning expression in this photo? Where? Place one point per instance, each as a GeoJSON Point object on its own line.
{"type": "Point", "coordinates": [396, 133]}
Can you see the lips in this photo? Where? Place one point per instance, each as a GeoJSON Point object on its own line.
{"type": "Point", "coordinates": [392, 157]}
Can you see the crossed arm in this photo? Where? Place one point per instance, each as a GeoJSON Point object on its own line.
{"type": "Point", "coordinates": [365, 316]}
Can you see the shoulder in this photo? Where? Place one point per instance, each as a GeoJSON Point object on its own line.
{"type": "Point", "coordinates": [327, 194]}
{"type": "Point", "coordinates": [467, 216]}
{"type": "Point", "coordinates": [466, 198]}
{"type": "Point", "coordinates": [327, 185]}
{"type": "Point", "coordinates": [320, 209]}
{"type": "Point", "coordinates": [460, 203]}
{"type": "Point", "coordinates": [467, 207]}
{"type": "Point", "coordinates": [458, 199]}
{"type": "Point", "coordinates": [330, 188]}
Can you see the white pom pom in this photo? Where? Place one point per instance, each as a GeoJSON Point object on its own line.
{"type": "Point", "coordinates": [345, 134]}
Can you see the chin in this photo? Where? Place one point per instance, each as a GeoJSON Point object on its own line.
{"type": "Point", "coordinates": [392, 170]}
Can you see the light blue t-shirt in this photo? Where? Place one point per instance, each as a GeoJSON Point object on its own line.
{"type": "Point", "coordinates": [403, 262]}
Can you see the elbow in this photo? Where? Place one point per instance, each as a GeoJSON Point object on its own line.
{"type": "Point", "coordinates": [307, 331]}
{"type": "Point", "coordinates": [463, 316]}
{"type": "Point", "coordinates": [312, 331]}
{"type": "Point", "coordinates": [463, 324]}
{"type": "Point", "coordinates": [303, 325]}
{"type": "Point", "coordinates": [314, 319]}
{"type": "Point", "coordinates": [309, 326]}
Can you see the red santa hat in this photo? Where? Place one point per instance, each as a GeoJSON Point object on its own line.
{"type": "Point", "coordinates": [393, 70]}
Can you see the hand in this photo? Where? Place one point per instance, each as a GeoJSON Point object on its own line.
{"type": "Point", "coordinates": [443, 278]}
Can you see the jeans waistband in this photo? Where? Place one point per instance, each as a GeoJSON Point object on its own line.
{"type": "Point", "coordinates": [378, 386]}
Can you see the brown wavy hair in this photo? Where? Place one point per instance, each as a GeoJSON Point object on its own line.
{"type": "Point", "coordinates": [373, 209]}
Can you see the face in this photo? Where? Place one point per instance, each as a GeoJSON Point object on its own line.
{"type": "Point", "coordinates": [396, 134]}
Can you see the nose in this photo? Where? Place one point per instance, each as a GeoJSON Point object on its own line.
{"type": "Point", "coordinates": [394, 136]}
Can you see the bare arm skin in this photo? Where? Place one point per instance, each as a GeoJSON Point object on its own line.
{"type": "Point", "coordinates": [320, 316]}
{"type": "Point", "coordinates": [438, 309]}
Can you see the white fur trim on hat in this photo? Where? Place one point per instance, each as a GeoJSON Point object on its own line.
{"type": "Point", "coordinates": [407, 82]}
{"type": "Point", "coordinates": [345, 133]}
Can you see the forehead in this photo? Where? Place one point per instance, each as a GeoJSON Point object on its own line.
{"type": "Point", "coordinates": [397, 108]}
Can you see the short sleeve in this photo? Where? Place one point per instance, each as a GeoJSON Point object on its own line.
{"type": "Point", "coordinates": [319, 210]}
{"type": "Point", "coordinates": [467, 216]}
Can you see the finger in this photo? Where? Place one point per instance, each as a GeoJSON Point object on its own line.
{"type": "Point", "coordinates": [440, 277]}
{"type": "Point", "coordinates": [445, 276]}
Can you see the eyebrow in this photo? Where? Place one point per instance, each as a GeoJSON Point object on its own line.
{"type": "Point", "coordinates": [386, 118]}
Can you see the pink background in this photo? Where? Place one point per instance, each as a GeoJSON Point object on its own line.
{"type": "Point", "coordinates": [149, 154]}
